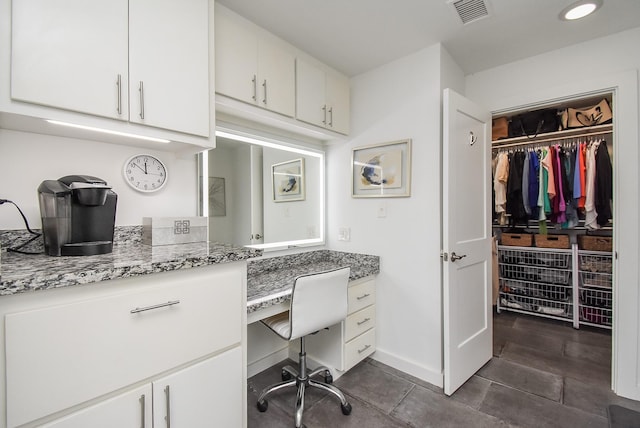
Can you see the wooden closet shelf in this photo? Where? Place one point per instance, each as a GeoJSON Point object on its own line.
{"type": "Point", "coordinates": [553, 136]}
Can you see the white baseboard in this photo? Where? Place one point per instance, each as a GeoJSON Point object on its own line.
{"type": "Point", "coordinates": [409, 367]}
{"type": "Point", "coordinates": [267, 361]}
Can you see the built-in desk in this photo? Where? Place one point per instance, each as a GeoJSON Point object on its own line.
{"type": "Point", "coordinates": [269, 285]}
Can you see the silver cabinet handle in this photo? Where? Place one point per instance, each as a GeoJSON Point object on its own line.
{"type": "Point", "coordinates": [363, 321]}
{"type": "Point", "coordinates": [119, 86]}
{"type": "Point", "coordinates": [331, 117]}
{"type": "Point", "coordinates": [360, 351]}
{"type": "Point", "coordinates": [255, 88]}
{"type": "Point", "coordinates": [363, 296]}
{"type": "Point", "coordinates": [324, 110]}
{"type": "Point", "coordinates": [143, 408]}
{"type": "Point", "coordinates": [159, 305]}
{"type": "Point", "coordinates": [167, 394]}
{"type": "Point", "coordinates": [455, 257]}
{"type": "Point", "coordinates": [141, 90]}
{"type": "Point", "coordinates": [264, 86]}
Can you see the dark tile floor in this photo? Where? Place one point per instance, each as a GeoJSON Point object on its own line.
{"type": "Point", "coordinates": [544, 373]}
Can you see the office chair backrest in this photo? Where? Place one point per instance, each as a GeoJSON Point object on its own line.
{"type": "Point", "coordinates": [318, 300]}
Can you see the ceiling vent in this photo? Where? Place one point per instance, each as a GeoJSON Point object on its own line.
{"type": "Point", "coordinates": [470, 10]}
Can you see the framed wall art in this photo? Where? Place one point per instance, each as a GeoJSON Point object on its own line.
{"type": "Point", "coordinates": [288, 181]}
{"type": "Point", "coordinates": [381, 170]}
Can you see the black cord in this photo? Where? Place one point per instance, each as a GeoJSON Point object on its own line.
{"type": "Point", "coordinates": [26, 223]}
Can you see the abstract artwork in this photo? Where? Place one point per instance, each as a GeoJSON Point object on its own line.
{"type": "Point", "coordinates": [288, 181]}
{"type": "Point", "coordinates": [381, 170]}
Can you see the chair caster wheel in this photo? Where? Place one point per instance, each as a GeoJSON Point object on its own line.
{"type": "Point", "coordinates": [264, 405]}
{"type": "Point", "coordinates": [346, 409]}
{"type": "Point", "coordinates": [285, 375]}
{"type": "Point", "coordinates": [328, 378]}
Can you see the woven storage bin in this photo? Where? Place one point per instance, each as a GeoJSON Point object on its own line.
{"type": "Point", "coordinates": [517, 239]}
{"type": "Point", "coordinates": [552, 241]}
{"type": "Point", "coordinates": [595, 243]}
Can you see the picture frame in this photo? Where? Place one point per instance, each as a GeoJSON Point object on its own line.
{"type": "Point", "coordinates": [288, 181]}
{"type": "Point", "coordinates": [217, 197]}
{"type": "Point", "coordinates": [381, 170]}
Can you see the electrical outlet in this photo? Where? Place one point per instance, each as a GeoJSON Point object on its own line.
{"type": "Point", "coordinates": [382, 210]}
{"type": "Point", "coordinates": [344, 234]}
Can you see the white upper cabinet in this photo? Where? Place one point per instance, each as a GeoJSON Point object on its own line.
{"type": "Point", "coordinates": [71, 54]}
{"type": "Point", "coordinates": [169, 64]}
{"type": "Point", "coordinates": [138, 61]}
{"type": "Point", "coordinates": [322, 97]}
{"type": "Point", "coordinates": [251, 68]}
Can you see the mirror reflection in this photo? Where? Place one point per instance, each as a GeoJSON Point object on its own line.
{"type": "Point", "coordinates": [262, 193]}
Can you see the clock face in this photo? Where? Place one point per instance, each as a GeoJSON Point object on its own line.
{"type": "Point", "coordinates": [145, 173]}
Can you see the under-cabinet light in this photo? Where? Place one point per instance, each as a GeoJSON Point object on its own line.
{"type": "Point", "coordinates": [108, 131]}
{"type": "Point", "coordinates": [580, 9]}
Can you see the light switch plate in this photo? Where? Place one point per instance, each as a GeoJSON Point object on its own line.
{"type": "Point", "coordinates": [344, 234]}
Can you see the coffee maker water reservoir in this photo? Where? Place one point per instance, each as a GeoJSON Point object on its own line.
{"type": "Point", "coordinates": [78, 215]}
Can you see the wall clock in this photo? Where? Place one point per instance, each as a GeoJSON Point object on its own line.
{"type": "Point", "coordinates": [145, 173]}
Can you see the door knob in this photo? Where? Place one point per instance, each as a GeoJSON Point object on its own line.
{"type": "Point", "coordinates": [455, 257]}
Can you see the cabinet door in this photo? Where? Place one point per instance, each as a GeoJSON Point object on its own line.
{"type": "Point", "coordinates": [129, 410]}
{"type": "Point", "coordinates": [338, 105]}
{"type": "Point", "coordinates": [207, 394]}
{"type": "Point", "coordinates": [310, 93]}
{"type": "Point", "coordinates": [169, 64]}
{"type": "Point", "coordinates": [276, 73]}
{"type": "Point", "coordinates": [236, 60]}
{"type": "Point", "coordinates": [71, 54]}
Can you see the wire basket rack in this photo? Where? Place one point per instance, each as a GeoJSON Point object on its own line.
{"type": "Point", "coordinates": [536, 257]}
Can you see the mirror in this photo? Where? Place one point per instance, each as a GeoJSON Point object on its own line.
{"type": "Point", "coordinates": [262, 192]}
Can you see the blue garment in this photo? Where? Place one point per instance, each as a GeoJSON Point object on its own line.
{"type": "Point", "coordinates": [534, 186]}
{"type": "Point", "coordinates": [577, 186]}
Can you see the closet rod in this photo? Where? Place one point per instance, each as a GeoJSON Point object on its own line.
{"type": "Point", "coordinates": [552, 136]}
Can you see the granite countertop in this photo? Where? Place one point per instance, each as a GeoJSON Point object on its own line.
{"type": "Point", "coordinates": [22, 273]}
{"type": "Point", "coordinates": [270, 280]}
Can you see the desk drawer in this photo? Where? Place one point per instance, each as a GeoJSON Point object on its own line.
{"type": "Point", "coordinates": [359, 322]}
{"type": "Point", "coordinates": [359, 348]}
{"type": "Point", "coordinates": [362, 295]}
{"type": "Point", "coordinates": [63, 355]}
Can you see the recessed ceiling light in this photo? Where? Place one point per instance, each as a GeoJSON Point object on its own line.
{"type": "Point", "coordinates": [580, 9]}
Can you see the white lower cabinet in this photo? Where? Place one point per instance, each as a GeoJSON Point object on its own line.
{"type": "Point", "coordinates": [171, 401]}
{"type": "Point", "coordinates": [344, 345]}
{"type": "Point", "coordinates": [129, 410]}
{"type": "Point", "coordinates": [180, 329]}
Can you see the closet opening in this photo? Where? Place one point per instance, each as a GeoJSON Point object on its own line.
{"type": "Point", "coordinates": [553, 205]}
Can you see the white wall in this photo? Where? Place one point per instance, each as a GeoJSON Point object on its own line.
{"type": "Point", "coordinates": [27, 159]}
{"type": "Point", "coordinates": [399, 100]}
{"type": "Point", "coordinates": [607, 63]}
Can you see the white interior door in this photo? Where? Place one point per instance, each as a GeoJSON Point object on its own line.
{"type": "Point", "coordinates": [466, 256]}
{"type": "Point", "coordinates": [257, 199]}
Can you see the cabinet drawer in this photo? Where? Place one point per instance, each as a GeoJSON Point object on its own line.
{"type": "Point", "coordinates": [359, 348]}
{"type": "Point", "coordinates": [359, 322]}
{"type": "Point", "coordinates": [362, 295]}
{"type": "Point", "coordinates": [63, 355]}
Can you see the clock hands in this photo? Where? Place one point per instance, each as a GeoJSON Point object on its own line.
{"type": "Point", "coordinates": [143, 170]}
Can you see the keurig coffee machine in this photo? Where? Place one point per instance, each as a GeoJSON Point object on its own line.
{"type": "Point", "coordinates": [78, 215]}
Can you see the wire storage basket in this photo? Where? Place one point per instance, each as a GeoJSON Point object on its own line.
{"type": "Point", "coordinates": [595, 288]}
{"type": "Point", "coordinates": [536, 280]}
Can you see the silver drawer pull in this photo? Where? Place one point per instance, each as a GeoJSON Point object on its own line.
{"type": "Point", "coordinates": [363, 321]}
{"type": "Point", "coordinates": [159, 305]}
{"type": "Point", "coordinates": [360, 351]}
{"type": "Point", "coordinates": [363, 296]}
{"type": "Point", "coordinates": [143, 406]}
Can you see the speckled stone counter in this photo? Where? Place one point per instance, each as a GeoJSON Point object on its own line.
{"type": "Point", "coordinates": [270, 280]}
{"type": "Point", "coordinates": [23, 273]}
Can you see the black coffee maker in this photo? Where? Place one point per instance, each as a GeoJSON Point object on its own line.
{"type": "Point", "coordinates": [78, 215]}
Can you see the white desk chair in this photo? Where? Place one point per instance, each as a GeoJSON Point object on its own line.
{"type": "Point", "coordinates": [318, 300]}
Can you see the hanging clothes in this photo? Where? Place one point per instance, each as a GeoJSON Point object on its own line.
{"type": "Point", "coordinates": [590, 220]}
{"type": "Point", "coordinates": [603, 192]}
{"type": "Point", "coordinates": [514, 204]}
{"type": "Point", "coordinates": [534, 184]}
{"type": "Point", "coordinates": [525, 184]}
{"type": "Point", "coordinates": [500, 187]}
